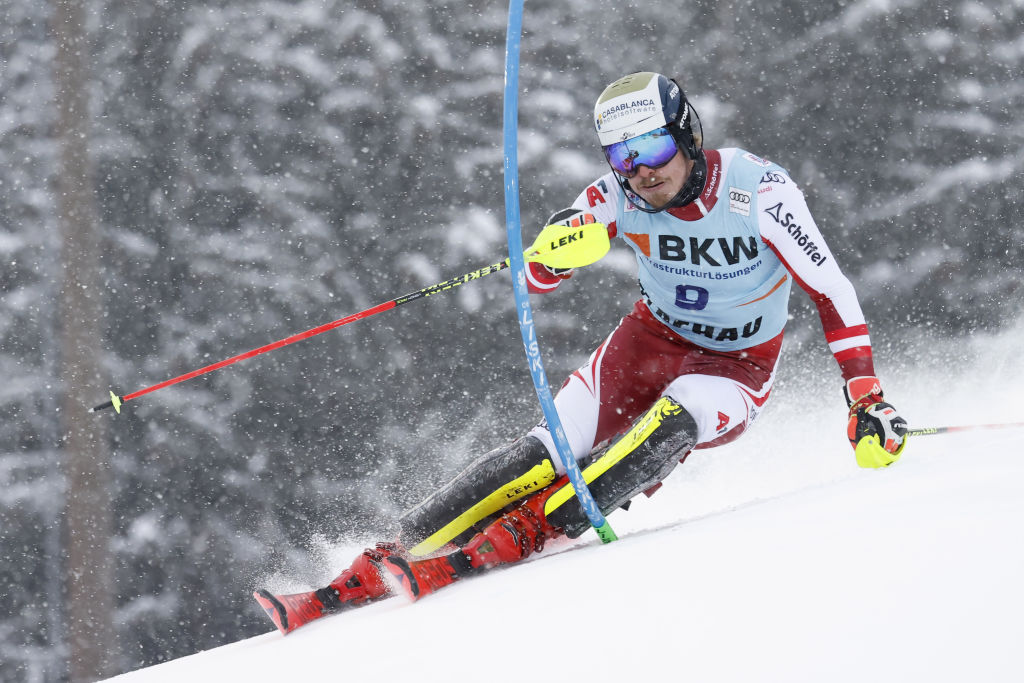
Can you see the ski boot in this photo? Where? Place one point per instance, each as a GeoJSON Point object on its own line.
{"type": "Point", "coordinates": [360, 584]}
{"type": "Point", "coordinates": [510, 538]}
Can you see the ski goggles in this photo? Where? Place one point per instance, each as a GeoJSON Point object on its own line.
{"type": "Point", "coordinates": [653, 149]}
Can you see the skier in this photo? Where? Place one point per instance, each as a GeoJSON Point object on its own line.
{"type": "Point", "coordinates": [719, 237]}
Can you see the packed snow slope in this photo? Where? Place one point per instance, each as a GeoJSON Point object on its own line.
{"type": "Point", "coordinates": [773, 559]}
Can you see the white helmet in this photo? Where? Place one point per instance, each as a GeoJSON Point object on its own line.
{"type": "Point", "coordinates": [639, 104]}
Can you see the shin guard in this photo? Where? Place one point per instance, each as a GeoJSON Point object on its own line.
{"type": "Point", "coordinates": [491, 483]}
{"type": "Point", "coordinates": [635, 462]}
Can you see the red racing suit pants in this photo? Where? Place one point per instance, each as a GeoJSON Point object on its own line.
{"type": "Point", "coordinates": [642, 360]}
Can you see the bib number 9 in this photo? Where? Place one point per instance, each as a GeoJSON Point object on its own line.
{"type": "Point", "coordinates": [691, 298]}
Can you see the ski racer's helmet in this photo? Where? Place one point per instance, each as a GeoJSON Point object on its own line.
{"type": "Point", "coordinates": [643, 119]}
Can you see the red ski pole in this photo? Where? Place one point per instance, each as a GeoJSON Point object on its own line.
{"type": "Point", "coordinates": [558, 246]}
{"type": "Point", "coordinates": [116, 401]}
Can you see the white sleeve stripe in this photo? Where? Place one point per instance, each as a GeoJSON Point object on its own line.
{"type": "Point", "coordinates": [852, 342]}
{"type": "Point", "coordinates": [538, 284]}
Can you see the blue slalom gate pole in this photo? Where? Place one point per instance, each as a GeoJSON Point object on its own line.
{"type": "Point", "coordinates": [518, 265]}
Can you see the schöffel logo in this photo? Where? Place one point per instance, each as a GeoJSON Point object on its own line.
{"type": "Point", "coordinates": [797, 232]}
{"type": "Point", "coordinates": [739, 201]}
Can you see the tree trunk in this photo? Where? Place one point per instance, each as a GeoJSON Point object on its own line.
{"type": "Point", "coordinates": [89, 583]}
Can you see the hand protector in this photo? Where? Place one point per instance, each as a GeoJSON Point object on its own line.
{"type": "Point", "coordinates": [573, 218]}
{"type": "Point", "coordinates": [876, 432]}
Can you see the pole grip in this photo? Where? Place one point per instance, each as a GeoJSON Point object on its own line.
{"type": "Point", "coordinates": [114, 402]}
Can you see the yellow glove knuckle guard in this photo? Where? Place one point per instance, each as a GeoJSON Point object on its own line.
{"type": "Point", "coordinates": [871, 455]}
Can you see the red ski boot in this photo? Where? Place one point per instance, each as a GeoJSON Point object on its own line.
{"type": "Point", "coordinates": [510, 538]}
{"type": "Point", "coordinates": [359, 584]}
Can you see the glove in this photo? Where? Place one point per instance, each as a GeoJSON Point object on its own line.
{"type": "Point", "coordinates": [573, 218]}
{"type": "Point", "coordinates": [876, 432]}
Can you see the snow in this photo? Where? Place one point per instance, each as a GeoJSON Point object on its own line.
{"type": "Point", "coordinates": [765, 560]}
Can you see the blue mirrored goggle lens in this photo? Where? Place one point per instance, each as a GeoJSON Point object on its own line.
{"type": "Point", "coordinates": [653, 149]}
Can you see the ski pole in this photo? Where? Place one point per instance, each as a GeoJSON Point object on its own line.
{"type": "Point", "coordinates": [557, 246]}
{"type": "Point", "coordinates": [928, 431]}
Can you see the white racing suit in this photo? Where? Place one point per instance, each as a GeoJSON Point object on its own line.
{"type": "Point", "coordinates": [715, 278]}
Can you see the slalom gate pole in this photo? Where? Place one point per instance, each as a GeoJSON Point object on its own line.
{"type": "Point", "coordinates": [929, 431]}
{"type": "Point", "coordinates": [558, 246]}
{"type": "Point", "coordinates": [515, 249]}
